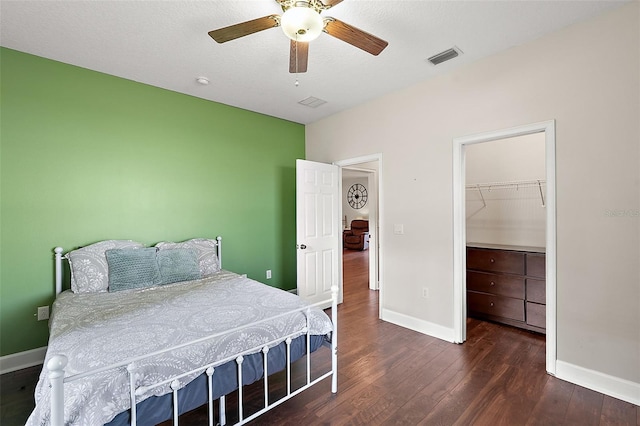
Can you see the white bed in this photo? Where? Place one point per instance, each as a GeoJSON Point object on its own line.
{"type": "Point", "coordinates": [112, 352]}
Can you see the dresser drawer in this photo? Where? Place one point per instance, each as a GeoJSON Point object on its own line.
{"type": "Point", "coordinates": [503, 285]}
{"type": "Point", "coordinates": [536, 265]}
{"type": "Point", "coordinates": [499, 306]}
{"type": "Point", "coordinates": [536, 291]}
{"type": "Point", "coordinates": [510, 262]}
{"type": "Point", "coordinates": [536, 315]}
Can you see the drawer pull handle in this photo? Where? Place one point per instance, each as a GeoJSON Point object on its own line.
{"type": "Point", "coordinates": [492, 283]}
{"type": "Point", "coordinates": [492, 260]}
{"type": "Point", "coordinates": [491, 303]}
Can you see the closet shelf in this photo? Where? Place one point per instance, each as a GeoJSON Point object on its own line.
{"type": "Point", "coordinates": [513, 185]}
{"type": "Point", "coordinates": [507, 185]}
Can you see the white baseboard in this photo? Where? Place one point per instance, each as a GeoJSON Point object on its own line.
{"type": "Point", "coordinates": [20, 360]}
{"type": "Point", "coordinates": [421, 326]}
{"type": "Point", "coordinates": [293, 290]}
{"type": "Point", "coordinates": [615, 387]}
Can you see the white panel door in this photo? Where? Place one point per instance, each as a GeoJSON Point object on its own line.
{"type": "Point", "coordinates": [317, 229]}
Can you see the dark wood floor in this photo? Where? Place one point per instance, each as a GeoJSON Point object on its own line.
{"type": "Point", "coordinates": [389, 375]}
{"type": "Point", "coordinates": [16, 395]}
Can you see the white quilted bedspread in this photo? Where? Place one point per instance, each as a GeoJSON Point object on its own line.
{"type": "Point", "coordinates": [98, 329]}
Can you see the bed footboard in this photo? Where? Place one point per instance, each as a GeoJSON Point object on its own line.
{"type": "Point", "coordinates": [57, 363]}
{"type": "Point", "coordinates": [56, 366]}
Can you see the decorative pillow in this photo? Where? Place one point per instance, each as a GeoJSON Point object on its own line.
{"type": "Point", "coordinates": [132, 268]}
{"type": "Point", "coordinates": [179, 264]}
{"type": "Point", "coordinates": [205, 250]}
{"type": "Point", "coordinates": [89, 269]}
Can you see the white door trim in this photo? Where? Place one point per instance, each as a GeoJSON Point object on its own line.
{"type": "Point", "coordinates": [380, 243]}
{"type": "Point", "coordinates": [459, 231]}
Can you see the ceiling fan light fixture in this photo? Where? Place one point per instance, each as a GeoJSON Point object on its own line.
{"type": "Point", "coordinates": [301, 23]}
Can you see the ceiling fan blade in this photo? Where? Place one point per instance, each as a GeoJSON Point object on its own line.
{"type": "Point", "coordinates": [355, 37]}
{"type": "Point", "coordinates": [331, 3]}
{"type": "Point", "coordinates": [242, 29]}
{"type": "Point", "coordinates": [299, 56]}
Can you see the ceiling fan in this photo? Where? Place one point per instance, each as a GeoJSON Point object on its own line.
{"type": "Point", "coordinates": [302, 23]}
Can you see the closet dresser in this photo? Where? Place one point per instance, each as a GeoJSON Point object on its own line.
{"type": "Point", "coordinates": [506, 284]}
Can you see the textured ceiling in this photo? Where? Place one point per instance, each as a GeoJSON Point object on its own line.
{"type": "Point", "coordinates": [165, 44]}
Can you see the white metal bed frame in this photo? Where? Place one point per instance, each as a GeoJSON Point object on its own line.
{"type": "Point", "coordinates": [58, 362]}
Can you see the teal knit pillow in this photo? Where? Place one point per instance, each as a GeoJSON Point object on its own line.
{"type": "Point", "coordinates": [132, 268]}
{"type": "Point", "coordinates": [179, 264]}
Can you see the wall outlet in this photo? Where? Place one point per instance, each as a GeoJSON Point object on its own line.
{"type": "Point", "coordinates": [43, 313]}
{"type": "Point", "coordinates": [268, 274]}
{"type": "Point", "coordinates": [425, 292]}
{"type": "Point", "coordinates": [398, 229]}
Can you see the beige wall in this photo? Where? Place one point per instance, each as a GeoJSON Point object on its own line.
{"type": "Point", "coordinates": [512, 159]}
{"type": "Point", "coordinates": [586, 78]}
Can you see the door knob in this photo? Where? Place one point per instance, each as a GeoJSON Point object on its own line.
{"type": "Point", "coordinates": [302, 247]}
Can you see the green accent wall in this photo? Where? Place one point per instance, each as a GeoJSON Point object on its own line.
{"type": "Point", "coordinates": [86, 156]}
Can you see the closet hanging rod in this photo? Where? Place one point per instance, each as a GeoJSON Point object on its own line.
{"type": "Point", "coordinates": [507, 185]}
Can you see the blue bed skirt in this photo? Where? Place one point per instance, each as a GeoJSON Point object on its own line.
{"type": "Point", "coordinates": [158, 409]}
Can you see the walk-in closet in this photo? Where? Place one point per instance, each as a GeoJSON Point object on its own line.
{"type": "Point", "coordinates": [505, 231]}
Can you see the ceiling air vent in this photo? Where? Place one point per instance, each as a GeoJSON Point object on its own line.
{"type": "Point", "coordinates": [445, 56]}
{"type": "Point", "coordinates": [312, 102]}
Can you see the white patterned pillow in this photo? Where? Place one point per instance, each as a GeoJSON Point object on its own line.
{"type": "Point", "coordinates": [205, 249]}
{"type": "Point", "coordinates": [89, 269]}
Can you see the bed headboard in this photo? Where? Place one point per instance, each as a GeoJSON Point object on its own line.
{"type": "Point", "coordinates": [59, 258]}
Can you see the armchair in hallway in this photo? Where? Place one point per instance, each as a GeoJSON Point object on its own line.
{"type": "Point", "coordinates": [357, 238]}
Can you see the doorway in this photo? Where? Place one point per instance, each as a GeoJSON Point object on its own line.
{"type": "Point", "coordinates": [460, 237]}
{"type": "Point", "coordinates": [359, 207]}
{"type": "Point", "coordinates": [358, 171]}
